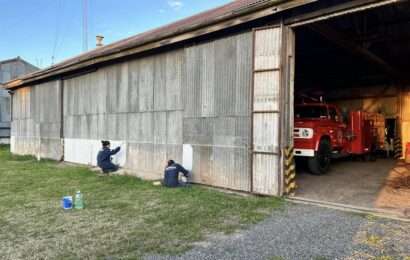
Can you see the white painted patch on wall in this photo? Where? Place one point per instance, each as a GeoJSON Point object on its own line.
{"type": "Point", "coordinates": [84, 151]}
{"type": "Point", "coordinates": [187, 156]}
{"type": "Point", "coordinates": [12, 144]}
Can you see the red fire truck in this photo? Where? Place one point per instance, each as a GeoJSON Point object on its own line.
{"type": "Point", "coordinates": [321, 134]}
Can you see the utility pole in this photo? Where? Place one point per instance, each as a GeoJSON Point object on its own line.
{"type": "Point", "coordinates": [85, 26]}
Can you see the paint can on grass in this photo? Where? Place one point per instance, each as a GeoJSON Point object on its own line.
{"type": "Point", "coordinates": [184, 181]}
{"type": "Point", "coordinates": [67, 202]}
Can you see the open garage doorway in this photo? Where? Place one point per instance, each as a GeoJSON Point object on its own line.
{"type": "Point", "coordinates": [350, 76]}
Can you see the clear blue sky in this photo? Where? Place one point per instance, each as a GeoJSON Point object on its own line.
{"type": "Point", "coordinates": [38, 29]}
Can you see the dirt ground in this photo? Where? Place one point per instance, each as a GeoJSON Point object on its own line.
{"type": "Point", "coordinates": [395, 194]}
{"type": "Point", "coordinates": [383, 184]}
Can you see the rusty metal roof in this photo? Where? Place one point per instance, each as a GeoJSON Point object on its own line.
{"type": "Point", "coordinates": [202, 19]}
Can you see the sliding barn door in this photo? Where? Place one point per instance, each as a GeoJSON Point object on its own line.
{"type": "Point", "coordinates": [266, 116]}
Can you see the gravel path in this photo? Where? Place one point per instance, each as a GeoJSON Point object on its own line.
{"type": "Point", "coordinates": [309, 232]}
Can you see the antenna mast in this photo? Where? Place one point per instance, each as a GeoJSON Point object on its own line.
{"type": "Point", "coordinates": [85, 25]}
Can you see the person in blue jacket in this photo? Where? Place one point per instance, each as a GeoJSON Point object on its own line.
{"type": "Point", "coordinates": [104, 160]}
{"type": "Point", "coordinates": [171, 174]}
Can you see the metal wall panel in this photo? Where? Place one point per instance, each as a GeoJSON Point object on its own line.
{"type": "Point", "coordinates": [197, 95]}
{"type": "Point", "coordinates": [198, 131]}
{"type": "Point", "coordinates": [133, 126]}
{"type": "Point", "coordinates": [122, 129]}
{"type": "Point", "coordinates": [9, 70]}
{"type": "Point", "coordinates": [122, 88]}
{"type": "Point", "coordinates": [207, 79]}
{"type": "Point", "coordinates": [265, 133]}
{"type": "Point", "coordinates": [160, 128]}
{"type": "Point", "coordinates": [36, 121]}
{"type": "Point", "coordinates": [266, 91]}
{"type": "Point", "coordinates": [133, 90]}
{"type": "Point", "coordinates": [175, 69]}
{"type": "Point", "coordinates": [146, 84]}
{"type": "Point", "coordinates": [266, 108]}
{"type": "Point", "coordinates": [174, 127]}
{"type": "Point", "coordinates": [225, 76]}
{"type": "Point", "coordinates": [192, 83]}
{"type": "Point", "coordinates": [4, 110]}
{"type": "Point", "coordinates": [112, 89]}
{"type": "Point", "coordinates": [265, 172]}
{"type": "Point", "coordinates": [160, 97]}
{"type": "Point", "coordinates": [243, 91]}
{"type": "Point", "coordinates": [268, 48]}
{"type": "Point", "coordinates": [217, 118]}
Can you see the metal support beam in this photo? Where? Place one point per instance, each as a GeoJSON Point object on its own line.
{"type": "Point", "coordinates": [338, 10]}
{"type": "Point", "coordinates": [348, 44]}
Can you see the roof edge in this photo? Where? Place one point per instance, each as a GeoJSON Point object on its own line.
{"type": "Point", "coordinates": [242, 15]}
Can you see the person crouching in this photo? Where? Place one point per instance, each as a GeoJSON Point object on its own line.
{"type": "Point", "coordinates": [104, 160]}
{"type": "Point", "coordinates": [171, 174]}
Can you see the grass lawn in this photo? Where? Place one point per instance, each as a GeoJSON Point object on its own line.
{"type": "Point", "coordinates": [124, 217]}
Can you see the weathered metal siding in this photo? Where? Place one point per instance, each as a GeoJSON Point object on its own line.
{"type": "Point", "coordinates": [9, 70]}
{"type": "Point", "coordinates": [36, 121]}
{"type": "Point", "coordinates": [267, 73]}
{"type": "Point", "coordinates": [138, 103]}
{"type": "Point", "coordinates": [4, 114]}
{"type": "Point", "coordinates": [217, 110]}
{"type": "Point", "coordinates": [199, 95]}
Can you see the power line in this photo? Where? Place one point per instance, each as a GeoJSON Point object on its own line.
{"type": "Point", "coordinates": [85, 25]}
{"type": "Point", "coordinates": [57, 31]}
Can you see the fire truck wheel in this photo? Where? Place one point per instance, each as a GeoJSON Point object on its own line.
{"type": "Point", "coordinates": [320, 164]}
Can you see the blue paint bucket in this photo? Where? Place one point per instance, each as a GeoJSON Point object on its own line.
{"type": "Point", "coordinates": [67, 202]}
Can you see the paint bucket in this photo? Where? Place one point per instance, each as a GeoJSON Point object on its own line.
{"type": "Point", "coordinates": [184, 181]}
{"type": "Point", "coordinates": [407, 157]}
{"type": "Point", "coordinates": [67, 202]}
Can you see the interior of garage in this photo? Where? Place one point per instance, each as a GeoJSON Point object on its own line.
{"type": "Point", "coordinates": [359, 61]}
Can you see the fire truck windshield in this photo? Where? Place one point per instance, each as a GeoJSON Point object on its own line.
{"type": "Point", "coordinates": [307, 111]}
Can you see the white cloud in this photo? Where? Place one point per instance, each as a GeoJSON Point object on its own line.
{"type": "Point", "coordinates": [175, 4]}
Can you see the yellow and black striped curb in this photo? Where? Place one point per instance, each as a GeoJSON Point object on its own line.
{"type": "Point", "coordinates": [398, 149]}
{"type": "Point", "coordinates": [290, 171]}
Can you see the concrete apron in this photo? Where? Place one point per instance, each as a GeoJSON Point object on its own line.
{"type": "Point", "coordinates": [388, 214]}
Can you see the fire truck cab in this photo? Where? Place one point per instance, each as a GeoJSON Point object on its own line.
{"type": "Point", "coordinates": [322, 133]}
